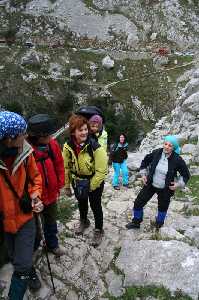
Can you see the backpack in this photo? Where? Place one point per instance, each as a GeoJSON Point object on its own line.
{"type": "Point", "coordinates": [42, 161]}
{"type": "Point", "coordinates": [89, 111]}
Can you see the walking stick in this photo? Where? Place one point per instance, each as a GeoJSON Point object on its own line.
{"type": "Point", "coordinates": [45, 249]}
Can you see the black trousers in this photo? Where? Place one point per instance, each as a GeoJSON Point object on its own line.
{"type": "Point", "coordinates": [147, 192]}
{"type": "Point", "coordinates": [49, 219]}
{"type": "Point", "coordinates": [94, 198]}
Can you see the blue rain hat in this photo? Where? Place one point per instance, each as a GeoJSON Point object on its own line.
{"type": "Point", "coordinates": [173, 140]}
{"type": "Point", "coordinates": [11, 124]}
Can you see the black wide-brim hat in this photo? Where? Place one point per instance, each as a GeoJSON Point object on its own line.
{"type": "Point", "coordinates": [90, 110]}
{"type": "Point", "coordinates": [41, 125]}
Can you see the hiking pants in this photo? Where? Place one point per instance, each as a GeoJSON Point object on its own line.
{"type": "Point", "coordinates": [95, 198]}
{"type": "Point", "coordinates": [49, 217]}
{"type": "Point", "coordinates": [146, 193]}
{"type": "Point", "coordinates": [20, 249]}
{"type": "Point", "coordinates": [125, 174]}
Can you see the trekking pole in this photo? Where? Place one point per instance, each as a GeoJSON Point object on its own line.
{"type": "Point", "coordinates": [45, 249]}
{"type": "Point", "coordinates": [60, 131]}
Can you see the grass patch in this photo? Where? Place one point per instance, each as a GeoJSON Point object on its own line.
{"type": "Point", "coordinates": [161, 293]}
{"type": "Point", "coordinates": [193, 184]}
{"type": "Point", "coordinates": [88, 3]}
{"type": "Point", "coordinates": [192, 211]}
{"type": "Point", "coordinates": [194, 141]}
{"type": "Point", "coordinates": [65, 210]}
{"type": "Point", "coordinates": [112, 265]}
{"type": "Point", "coordinates": [181, 231]}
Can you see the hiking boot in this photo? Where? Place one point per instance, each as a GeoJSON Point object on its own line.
{"type": "Point", "coordinates": [82, 226]}
{"type": "Point", "coordinates": [156, 225]}
{"type": "Point", "coordinates": [97, 237]}
{"type": "Point", "coordinates": [134, 224]}
{"type": "Point", "coordinates": [57, 251]}
{"type": "Point", "coordinates": [117, 188]}
{"type": "Point", "coordinates": [34, 283]}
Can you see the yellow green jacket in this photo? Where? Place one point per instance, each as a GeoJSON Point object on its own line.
{"type": "Point", "coordinates": [103, 139]}
{"type": "Point", "coordinates": [84, 164]}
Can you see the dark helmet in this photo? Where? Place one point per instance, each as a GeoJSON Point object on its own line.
{"type": "Point", "coordinates": [41, 125]}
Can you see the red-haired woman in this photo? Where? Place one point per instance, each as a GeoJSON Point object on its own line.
{"type": "Point", "coordinates": [85, 163]}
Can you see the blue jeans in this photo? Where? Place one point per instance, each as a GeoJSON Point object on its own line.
{"type": "Point", "coordinates": [125, 173]}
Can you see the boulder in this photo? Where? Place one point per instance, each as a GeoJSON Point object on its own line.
{"type": "Point", "coordinates": [192, 87]}
{"type": "Point", "coordinates": [172, 264]}
{"type": "Point", "coordinates": [108, 63]}
{"type": "Point", "coordinates": [76, 73]}
{"type": "Point", "coordinates": [191, 104]}
{"type": "Point", "coordinates": [189, 148]}
{"type": "Point", "coordinates": [31, 58]}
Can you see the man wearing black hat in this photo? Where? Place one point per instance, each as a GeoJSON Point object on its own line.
{"type": "Point", "coordinates": [49, 161]}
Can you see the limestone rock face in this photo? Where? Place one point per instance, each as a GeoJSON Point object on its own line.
{"type": "Point", "coordinates": [172, 24]}
{"type": "Point", "coordinates": [183, 121]}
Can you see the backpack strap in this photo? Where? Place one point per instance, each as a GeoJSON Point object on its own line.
{"type": "Point", "coordinates": [7, 180]}
{"type": "Point", "coordinates": [90, 152]}
{"type": "Point", "coordinates": [42, 161]}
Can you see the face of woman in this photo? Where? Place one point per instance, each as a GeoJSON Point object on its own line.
{"type": "Point", "coordinates": [122, 139]}
{"type": "Point", "coordinates": [167, 147]}
{"type": "Point", "coordinates": [16, 142]}
{"type": "Point", "coordinates": [81, 134]}
{"type": "Point", "coordinates": [94, 127]}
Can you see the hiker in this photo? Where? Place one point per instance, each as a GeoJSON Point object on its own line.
{"type": "Point", "coordinates": [50, 164]}
{"type": "Point", "coordinates": [20, 194]}
{"type": "Point", "coordinates": [98, 131]}
{"type": "Point", "coordinates": [159, 174]}
{"type": "Point", "coordinates": [85, 164]}
{"type": "Point", "coordinates": [118, 156]}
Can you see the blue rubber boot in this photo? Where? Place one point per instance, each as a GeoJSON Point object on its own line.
{"type": "Point", "coordinates": [137, 219]}
{"type": "Point", "coordinates": [160, 218]}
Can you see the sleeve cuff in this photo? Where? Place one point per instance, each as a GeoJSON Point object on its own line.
{"type": "Point", "coordinates": [35, 195]}
{"type": "Point", "coordinates": [180, 183]}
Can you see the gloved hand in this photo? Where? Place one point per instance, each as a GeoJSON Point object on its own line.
{"type": "Point", "coordinates": [37, 205]}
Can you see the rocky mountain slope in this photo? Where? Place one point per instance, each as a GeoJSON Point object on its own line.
{"type": "Point", "coordinates": [51, 55]}
{"type": "Point", "coordinates": [52, 52]}
{"type": "Point", "coordinates": [174, 21]}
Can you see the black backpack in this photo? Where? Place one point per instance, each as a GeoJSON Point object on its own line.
{"type": "Point", "coordinates": [89, 111]}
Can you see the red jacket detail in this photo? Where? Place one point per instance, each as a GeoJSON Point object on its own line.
{"type": "Point", "coordinates": [51, 170]}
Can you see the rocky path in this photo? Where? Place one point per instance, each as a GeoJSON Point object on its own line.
{"type": "Point", "coordinates": [143, 257]}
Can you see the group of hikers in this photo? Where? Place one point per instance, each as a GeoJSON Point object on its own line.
{"type": "Point", "coordinates": [33, 171]}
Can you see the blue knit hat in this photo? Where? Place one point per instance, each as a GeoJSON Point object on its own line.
{"type": "Point", "coordinates": [173, 140]}
{"type": "Point", "coordinates": [11, 124]}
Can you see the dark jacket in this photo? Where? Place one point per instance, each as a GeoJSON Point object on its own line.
{"type": "Point", "coordinates": [175, 164]}
{"type": "Point", "coordinates": [118, 154]}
